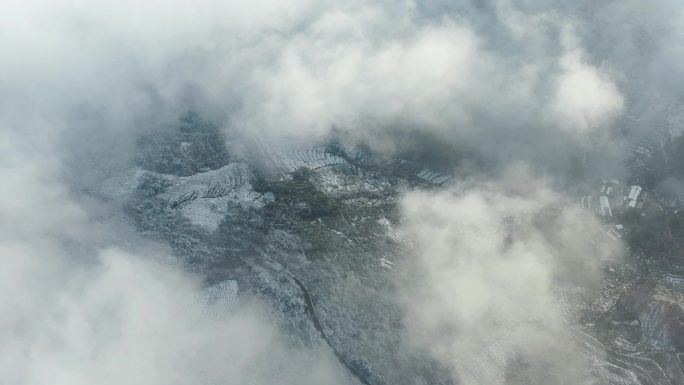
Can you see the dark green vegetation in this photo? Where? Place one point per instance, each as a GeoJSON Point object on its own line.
{"type": "Point", "coordinates": [194, 146]}
{"type": "Point", "coordinates": [156, 218]}
{"type": "Point", "coordinates": [647, 233]}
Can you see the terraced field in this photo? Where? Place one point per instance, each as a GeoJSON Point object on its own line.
{"type": "Point", "coordinates": [435, 177]}
{"type": "Point", "coordinates": [287, 156]}
{"type": "Point", "coordinates": [307, 158]}
{"type": "Point", "coordinates": [208, 185]}
{"type": "Point", "coordinates": [205, 198]}
{"type": "Point", "coordinates": [220, 299]}
{"type": "Point", "coordinates": [617, 368]}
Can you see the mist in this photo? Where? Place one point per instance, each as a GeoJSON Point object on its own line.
{"type": "Point", "coordinates": [488, 266]}
{"type": "Point", "coordinates": [469, 87]}
{"type": "Point", "coordinates": [303, 68]}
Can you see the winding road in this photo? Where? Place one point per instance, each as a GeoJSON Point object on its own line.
{"type": "Point", "coordinates": [312, 312]}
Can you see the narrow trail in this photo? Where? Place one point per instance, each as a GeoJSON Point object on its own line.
{"type": "Point", "coordinates": [310, 309]}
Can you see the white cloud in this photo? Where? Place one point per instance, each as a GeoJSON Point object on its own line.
{"type": "Point", "coordinates": [585, 96]}
{"type": "Point", "coordinates": [301, 67]}
{"type": "Point", "coordinates": [121, 318]}
{"type": "Point", "coordinates": [358, 83]}
{"type": "Point", "coordinates": [481, 290]}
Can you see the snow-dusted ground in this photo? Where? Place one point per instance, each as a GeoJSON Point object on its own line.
{"type": "Point", "coordinates": [210, 184]}
{"type": "Point", "coordinates": [205, 198]}
{"type": "Point", "coordinates": [346, 259]}
{"type": "Point", "coordinates": [289, 155]}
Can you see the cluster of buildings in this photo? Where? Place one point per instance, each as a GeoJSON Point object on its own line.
{"type": "Point", "coordinates": [614, 197]}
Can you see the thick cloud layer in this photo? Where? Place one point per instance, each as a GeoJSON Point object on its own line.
{"type": "Point", "coordinates": [495, 80]}
{"type": "Point", "coordinates": [436, 75]}
{"type": "Point", "coordinates": [127, 320]}
{"type": "Point", "coordinates": [482, 289]}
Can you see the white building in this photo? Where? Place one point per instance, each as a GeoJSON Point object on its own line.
{"type": "Point", "coordinates": [605, 206]}
{"type": "Point", "coordinates": [634, 193]}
